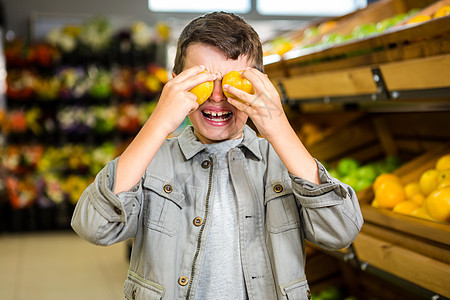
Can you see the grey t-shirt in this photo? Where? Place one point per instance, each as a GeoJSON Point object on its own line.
{"type": "Point", "coordinates": [221, 276]}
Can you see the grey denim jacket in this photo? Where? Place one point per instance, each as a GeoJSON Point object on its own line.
{"type": "Point", "coordinates": [167, 214]}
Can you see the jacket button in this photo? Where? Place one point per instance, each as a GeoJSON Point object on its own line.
{"type": "Point", "coordinates": [308, 294]}
{"type": "Point", "coordinates": [168, 188]}
{"type": "Point", "coordinates": [183, 280]}
{"type": "Point", "coordinates": [198, 221]}
{"type": "Point", "coordinates": [117, 210]}
{"type": "Point", "coordinates": [206, 164]}
{"type": "Point", "coordinates": [278, 188]}
{"type": "Point", "coordinates": [133, 294]}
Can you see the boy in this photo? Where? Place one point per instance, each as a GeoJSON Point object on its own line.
{"type": "Point", "coordinates": [217, 213]}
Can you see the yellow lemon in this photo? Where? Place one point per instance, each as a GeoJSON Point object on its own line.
{"type": "Point", "coordinates": [437, 204]}
{"type": "Point", "coordinates": [443, 184]}
{"type": "Point", "coordinates": [383, 178]}
{"type": "Point", "coordinates": [443, 163]}
{"type": "Point", "coordinates": [375, 203]}
{"type": "Point", "coordinates": [203, 91]}
{"type": "Point", "coordinates": [442, 12]}
{"type": "Point", "coordinates": [327, 26]}
{"type": "Point", "coordinates": [389, 194]}
{"type": "Point", "coordinates": [418, 198]}
{"type": "Point", "coordinates": [429, 181]}
{"type": "Point", "coordinates": [235, 79]}
{"type": "Point", "coordinates": [405, 207]}
{"type": "Point", "coordinates": [419, 19]}
{"type": "Point", "coordinates": [411, 189]}
{"type": "Point", "coordinates": [421, 213]}
{"type": "Point", "coordinates": [444, 175]}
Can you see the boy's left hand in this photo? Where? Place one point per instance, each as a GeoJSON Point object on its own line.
{"type": "Point", "coordinates": [264, 107]}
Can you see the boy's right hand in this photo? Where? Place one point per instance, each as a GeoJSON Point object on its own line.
{"type": "Point", "coordinates": [176, 102]}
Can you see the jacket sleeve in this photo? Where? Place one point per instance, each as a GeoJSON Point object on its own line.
{"type": "Point", "coordinates": [330, 211]}
{"type": "Point", "coordinates": [102, 217]}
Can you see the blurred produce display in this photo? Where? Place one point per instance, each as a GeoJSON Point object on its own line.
{"type": "Point", "coordinates": [74, 100]}
{"type": "Point", "coordinates": [331, 32]}
{"type": "Point", "coordinates": [57, 174]}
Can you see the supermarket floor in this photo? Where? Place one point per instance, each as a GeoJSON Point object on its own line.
{"type": "Point", "coordinates": [60, 265]}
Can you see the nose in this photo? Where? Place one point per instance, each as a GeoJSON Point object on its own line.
{"type": "Point", "coordinates": [217, 94]}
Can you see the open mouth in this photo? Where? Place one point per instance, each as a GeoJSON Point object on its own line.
{"type": "Point", "coordinates": [217, 116]}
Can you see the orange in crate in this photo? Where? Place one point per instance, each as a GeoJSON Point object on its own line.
{"type": "Point", "coordinates": [389, 194]}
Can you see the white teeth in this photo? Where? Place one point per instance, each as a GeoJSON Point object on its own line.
{"type": "Point", "coordinates": [219, 116]}
{"type": "Point", "coordinates": [216, 114]}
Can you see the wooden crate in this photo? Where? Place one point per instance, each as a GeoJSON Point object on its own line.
{"type": "Point", "coordinates": [427, 230]}
{"type": "Point", "coordinates": [414, 249]}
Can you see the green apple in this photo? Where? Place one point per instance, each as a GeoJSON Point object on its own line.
{"type": "Point", "coordinates": [367, 172]}
{"type": "Point", "coordinates": [347, 165]}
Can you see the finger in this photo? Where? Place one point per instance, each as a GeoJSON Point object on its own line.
{"type": "Point", "coordinates": [259, 80]}
{"type": "Point", "coordinates": [198, 79]}
{"type": "Point", "coordinates": [190, 78]}
{"type": "Point", "coordinates": [191, 102]}
{"type": "Point", "coordinates": [240, 106]}
{"type": "Point", "coordinates": [188, 73]}
{"type": "Point", "coordinates": [246, 97]}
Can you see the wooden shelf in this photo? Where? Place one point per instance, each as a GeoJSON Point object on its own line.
{"type": "Point", "coordinates": [337, 83]}
{"type": "Point", "coordinates": [415, 74]}
{"type": "Point", "coordinates": [403, 59]}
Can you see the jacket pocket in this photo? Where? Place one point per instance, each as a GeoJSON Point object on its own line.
{"type": "Point", "coordinates": [282, 213]}
{"type": "Point", "coordinates": [162, 205]}
{"type": "Point", "coordinates": [138, 288]}
{"type": "Point", "coordinates": [297, 290]}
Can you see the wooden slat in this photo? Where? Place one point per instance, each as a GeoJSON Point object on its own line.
{"type": "Point", "coordinates": [426, 247]}
{"type": "Point", "coordinates": [419, 269]}
{"type": "Point", "coordinates": [424, 73]}
{"type": "Point", "coordinates": [434, 231]}
{"type": "Point", "coordinates": [424, 48]}
{"type": "Point", "coordinates": [339, 83]}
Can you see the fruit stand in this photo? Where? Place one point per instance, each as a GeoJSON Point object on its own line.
{"type": "Point", "coordinates": [70, 108]}
{"type": "Point", "coordinates": [369, 85]}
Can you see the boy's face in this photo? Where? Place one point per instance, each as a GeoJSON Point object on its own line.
{"type": "Point", "coordinates": [216, 119]}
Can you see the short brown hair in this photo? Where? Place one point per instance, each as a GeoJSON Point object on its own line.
{"type": "Point", "coordinates": [225, 31]}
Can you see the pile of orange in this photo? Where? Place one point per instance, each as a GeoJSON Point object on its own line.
{"type": "Point", "coordinates": [427, 198]}
{"type": "Point", "coordinates": [441, 12]}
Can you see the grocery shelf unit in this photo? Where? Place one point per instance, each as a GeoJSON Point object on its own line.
{"type": "Point", "coordinates": [53, 214]}
{"type": "Point", "coordinates": [381, 95]}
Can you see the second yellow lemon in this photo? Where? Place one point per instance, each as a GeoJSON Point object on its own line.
{"type": "Point", "coordinates": [428, 181]}
{"type": "Point", "coordinates": [203, 91]}
{"type": "Point", "coordinates": [437, 204]}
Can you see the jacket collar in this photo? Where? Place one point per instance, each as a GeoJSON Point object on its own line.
{"type": "Point", "coordinates": [190, 145]}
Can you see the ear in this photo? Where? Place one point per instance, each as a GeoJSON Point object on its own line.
{"type": "Point", "coordinates": [173, 74]}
